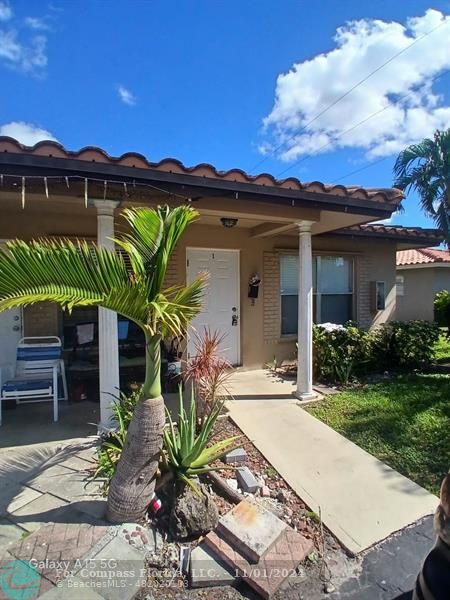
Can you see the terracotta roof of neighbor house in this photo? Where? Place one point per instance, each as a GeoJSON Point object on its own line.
{"type": "Point", "coordinates": [422, 256]}
{"type": "Point", "coordinates": [172, 165]}
{"type": "Point", "coordinates": [396, 232]}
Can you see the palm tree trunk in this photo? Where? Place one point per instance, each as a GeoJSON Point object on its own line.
{"type": "Point", "coordinates": [133, 483]}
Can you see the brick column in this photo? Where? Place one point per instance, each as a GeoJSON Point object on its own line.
{"type": "Point", "coordinates": [108, 345]}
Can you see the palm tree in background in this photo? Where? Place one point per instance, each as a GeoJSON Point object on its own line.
{"type": "Point", "coordinates": [82, 274]}
{"type": "Point", "coordinates": [425, 167]}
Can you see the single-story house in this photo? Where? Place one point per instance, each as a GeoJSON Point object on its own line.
{"type": "Point", "coordinates": [421, 274]}
{"type": "Point", "coordinates": [307, 243]}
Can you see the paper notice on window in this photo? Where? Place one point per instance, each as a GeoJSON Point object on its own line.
{"type": "Point", "coordinates": [85, 333]}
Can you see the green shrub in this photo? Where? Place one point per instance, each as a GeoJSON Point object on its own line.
{"type": "Point", "coordinates": [340, 352]}
{"type": "Point", "coordinates": [344, 352]}
{"type": "Point", "coordinates": [112, 445]}
{"type": "Point", "coordinates": [408, 344]}
{"type": "Point", "coordinates": [442, 308]}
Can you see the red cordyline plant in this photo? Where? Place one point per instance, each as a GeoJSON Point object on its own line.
{"type": "Point", "coordinates": [209, 372]}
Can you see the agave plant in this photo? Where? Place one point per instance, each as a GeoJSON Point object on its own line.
{"type": "Point", "coordinates": [81, 274]}
{"type": "Point", "coordinates": [186, 452]}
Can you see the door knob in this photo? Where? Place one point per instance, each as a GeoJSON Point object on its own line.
{"type": "Point", "coordinates": [16, 328]}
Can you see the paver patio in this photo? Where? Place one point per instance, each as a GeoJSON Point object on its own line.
{"type": "Point", "coordinates": [51, 514]}
{"type": "Point", "coordinates": [362, 501]}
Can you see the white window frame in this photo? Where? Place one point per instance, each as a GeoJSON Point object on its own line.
{"type": "Point", "coordinates": [400, 286]}
{"type": "Point", "coordinates": [317, 293]}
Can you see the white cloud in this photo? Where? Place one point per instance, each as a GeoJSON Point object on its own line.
{"type": "Point", "coordinates": [27, 56]}
{"type": "Point", "coordinates": [36, 23]}
{"type": "Point", "coordinates": [26, 133]}
{"type": "Point", "coordinates": [20, 48]}
{"type": "Point", "coordinates": [126, 96]}
{"type": "Point", "coordinates": [5, 11]}
{"type": "Point", "coordinates": [362, 46]}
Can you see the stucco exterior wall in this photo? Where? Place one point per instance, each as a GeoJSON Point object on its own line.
{"type": "Point", "coordinates": [259, 323]}
{"type": "Point", "coordinates": [420, 287]}
{"type": "Point", "coordinates": [441, 279]}
{"type": "Point", "coordinates": [261, 340]}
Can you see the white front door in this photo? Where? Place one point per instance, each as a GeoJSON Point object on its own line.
{"type": "Point", "coordinates": [221, 301]}
{"type": "Point", "coordinates": [10, 334]}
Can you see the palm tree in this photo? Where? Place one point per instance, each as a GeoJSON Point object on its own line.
{"type": "Point", "coordinates": [82, 274]}
{"type": "Point", "coordinates": [425, 167]}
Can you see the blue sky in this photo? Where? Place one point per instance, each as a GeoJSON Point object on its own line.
{"type": "Point", "coordinates": [214, 81]}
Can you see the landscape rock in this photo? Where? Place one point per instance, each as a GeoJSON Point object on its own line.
{"type": "Point", "coordinates": [192, 514]}
{"type": "Point", "coordinates": [233, 484]}
{"type": "Point", "coordinates": [282, 496]}
{"type": "Point", "coordinates": [265, 491]}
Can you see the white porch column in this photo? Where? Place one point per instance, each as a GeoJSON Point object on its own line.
{"type": "Point", "coordinates": [305, 313]}
{"type": "Point", "coordinates": [108, 346]}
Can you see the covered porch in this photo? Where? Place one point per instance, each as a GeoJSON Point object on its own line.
{"type": "Point", "coordinates": [48, 191]}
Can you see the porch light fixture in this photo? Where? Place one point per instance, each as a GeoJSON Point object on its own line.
{"type": "Point", "coordinates": [228, 222]}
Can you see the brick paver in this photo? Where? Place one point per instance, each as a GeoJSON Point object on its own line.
{"type": "Point", "coordinates": [277, 564]}
{"type": "Point", "coordinates": [57, 547]}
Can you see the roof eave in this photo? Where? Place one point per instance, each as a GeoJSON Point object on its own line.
{"type": "Point", "coordinates": [20, 164]}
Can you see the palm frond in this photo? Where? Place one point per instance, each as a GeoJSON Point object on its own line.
{"type": "Point", "coordinates": [174, 223]}
{"type": "Point", "coordinates": [425, 167]}
{"type": "Point", "coordinates": [70, 274]}
{"type": "Point", "coordinates": [144, 238]}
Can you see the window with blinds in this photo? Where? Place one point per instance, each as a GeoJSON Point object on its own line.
{"type": "Point", "coordinates": [333, 287]}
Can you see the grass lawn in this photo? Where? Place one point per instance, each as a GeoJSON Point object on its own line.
{"type": "Point", "coordinates": [442, 348]}
{"type": "Point", "coordinates": [405, 423]}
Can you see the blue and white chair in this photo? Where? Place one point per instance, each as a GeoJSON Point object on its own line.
{"type": "Point", "coordinates": [40, 375]}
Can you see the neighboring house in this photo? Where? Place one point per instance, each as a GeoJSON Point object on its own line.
{"type": "Point", "coordinates": [306, 242]}
{"type": "Point", "coordinates": [421, 274]}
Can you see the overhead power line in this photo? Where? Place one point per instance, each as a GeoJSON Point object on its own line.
{"type": "Point", "coordinates": [327, 108]}
{"type": "Point", "coordinates": [353, 127]}
{"type": "Point", "coordinates": [372, 164]}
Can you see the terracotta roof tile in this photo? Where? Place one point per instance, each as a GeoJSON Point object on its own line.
{"type": "Point", "coordinates": [133, 159]}
{"type": "Point", "coordinates": [396, 232]}
{"type": "Point", "coordinates": [422, 256]}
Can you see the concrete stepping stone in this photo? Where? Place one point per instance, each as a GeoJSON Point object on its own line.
{"type": "Point", "coordinates": [117, 571]}
{"type": "Point", "coordinates": [39, 512]}
{"type": "Point", "coordinates": [206, 570]}
{"type": "Point", "coordinates": [278, 563]}
{"type": "Point", "coordinates": [9, 533]}
{"type": "Point", "coordinates": [23, 497]}
{"type": "Point", "coordinates": [251, 529]}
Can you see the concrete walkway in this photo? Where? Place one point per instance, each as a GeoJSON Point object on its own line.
{"type": "Point", "coordinates": [258, 384]}
{"type": "Point", "coordinates": [362, 500]}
